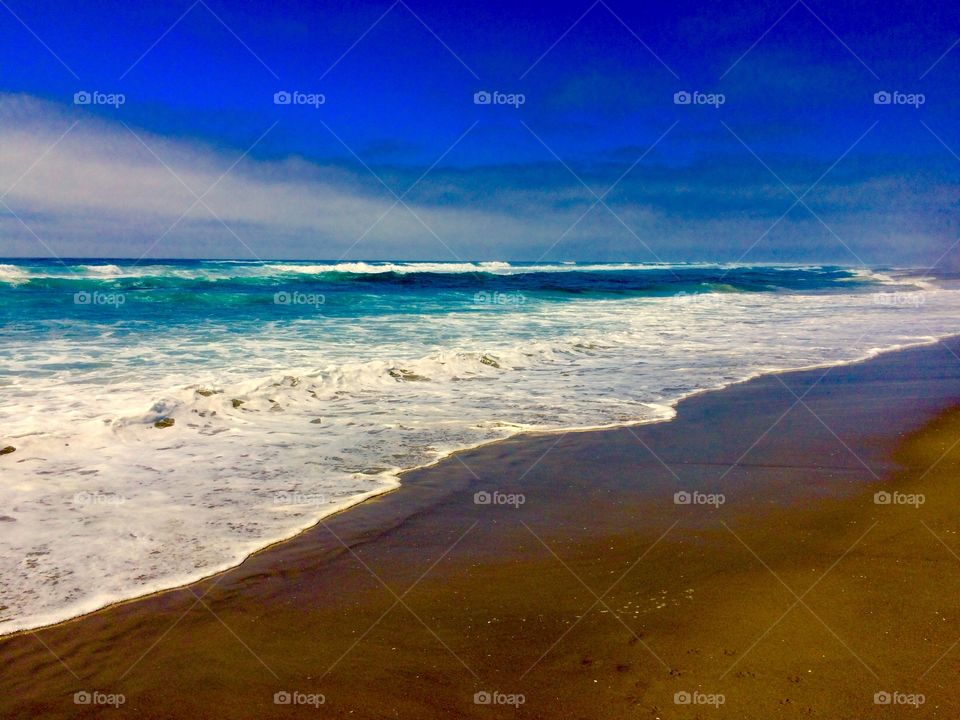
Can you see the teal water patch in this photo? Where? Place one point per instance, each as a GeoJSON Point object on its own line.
{"type": "Point", "coordinates": [180, 291]}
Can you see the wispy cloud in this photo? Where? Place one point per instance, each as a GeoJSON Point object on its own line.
{"type": "Point", "coordinates": [89, 187]}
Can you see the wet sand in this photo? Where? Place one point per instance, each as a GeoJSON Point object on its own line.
{"type": "Point", "coordinates": [597, 597]}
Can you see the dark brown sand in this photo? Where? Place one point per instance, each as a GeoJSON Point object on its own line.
{"type": "Point", "coordinates": [598, 597]}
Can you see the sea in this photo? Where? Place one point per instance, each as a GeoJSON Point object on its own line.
{"type": "Point", "coordinates": [169, 418]}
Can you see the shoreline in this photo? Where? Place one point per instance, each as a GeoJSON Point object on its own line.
{"type": "Point", "coordinates": [397, 478]}
{"type": "Point", "coordinates": [504, 599]}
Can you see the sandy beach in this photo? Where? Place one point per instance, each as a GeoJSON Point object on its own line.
{"type": "Point", "coordinates": [563, 576]}
{"type": "Point", "coordinates": [438, 361]}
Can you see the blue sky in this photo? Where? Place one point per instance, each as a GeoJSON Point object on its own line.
{"type": "Point", "coordinates": [798, 162]}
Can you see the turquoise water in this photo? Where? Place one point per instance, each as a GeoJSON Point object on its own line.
{"type": "Point", "coordinates": [187, 291]}
{"type": "Point", "coordinates": [296, 389]}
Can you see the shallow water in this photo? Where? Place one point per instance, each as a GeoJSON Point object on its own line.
{"type": "Point", "coordinates": [299, 388]}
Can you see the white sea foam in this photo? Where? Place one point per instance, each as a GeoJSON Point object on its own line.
{"type": "Point", "coordinates": [98, 505]}
{"type": "Point", "coordinates": [101, 270]}
{"type": "Point", "coordinates": [13, 274]}
{"type": "Point", "coordinates": [372, 268]}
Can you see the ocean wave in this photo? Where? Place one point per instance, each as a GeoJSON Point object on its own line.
{"type": "Point", "coordinates": [13, 275]}
{"type": "Point", "coordinates": [170, 453]}
{"type": "Point", "coordinates": [100, 270]}
{"type": "Point", "coordinates": [365, 268]}
{"type": "Point", "coordinates": [910, 278]}
{"type": "Point", "coordinates": [635, 278]}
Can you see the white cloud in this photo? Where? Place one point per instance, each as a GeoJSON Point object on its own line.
{"type": "Point", "coordinates": [103, 191]}
{"type": "Point", "coordinates": [100, 189]}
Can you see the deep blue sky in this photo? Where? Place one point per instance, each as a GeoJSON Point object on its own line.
{"type": "Point", "coordinates": [798, 79]}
